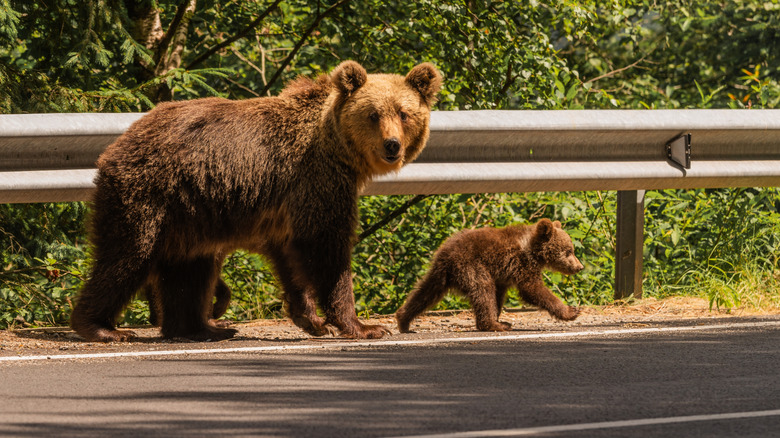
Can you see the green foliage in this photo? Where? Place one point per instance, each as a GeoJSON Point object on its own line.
{"type": "Point", "coordinates": [99, 55]}
{"type": "Point", "coordinates": [715, 238]}
{"type": "Point", "coordinates": [43, 261]}
{"type": "Point", "coordinates": [256, 294]}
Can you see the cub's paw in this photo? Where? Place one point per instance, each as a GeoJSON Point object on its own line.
{"type": "Point", "coordinates": [570, 314]}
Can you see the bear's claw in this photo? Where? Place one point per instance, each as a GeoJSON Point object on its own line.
{"type": "Point", "coordinates": [367, 331]}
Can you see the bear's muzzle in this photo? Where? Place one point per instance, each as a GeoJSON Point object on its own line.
{"type": "Point", "coordinates": [392, 148]}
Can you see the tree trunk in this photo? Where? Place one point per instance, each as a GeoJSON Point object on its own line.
{"type": "Point", "coordinates": [166, 47]}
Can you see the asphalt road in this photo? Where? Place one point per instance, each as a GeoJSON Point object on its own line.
{"type": "Point", "coordinates": [708, 382]}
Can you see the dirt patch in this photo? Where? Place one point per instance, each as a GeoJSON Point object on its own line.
{"type": "Point", "coordinates": [643, 313]}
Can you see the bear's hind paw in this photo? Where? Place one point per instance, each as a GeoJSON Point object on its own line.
{"type": "Point", "coordinates": [110, 335]}
{"type": "Point", "coordinates": [403, 324]}
{"type": "Point", "coordinates": [404, 329]}
{"type": "Point", "coordinates": [208, 334]}
{"type": "Point", "coordinates": [495, 326]}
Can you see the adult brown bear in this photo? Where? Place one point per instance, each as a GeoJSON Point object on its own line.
{"type": "Point", "coordinates": [192, 181]}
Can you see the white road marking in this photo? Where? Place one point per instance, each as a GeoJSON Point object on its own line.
{"type": "Point", "coordinates": [377, 343]}
{"type": "Point", "coordinates": [602, 425]}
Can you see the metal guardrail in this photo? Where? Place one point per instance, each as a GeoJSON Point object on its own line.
{"type": "Point", "coordinates": [50, 158]}
{"type": "Point", "coordinates": [468, 152]}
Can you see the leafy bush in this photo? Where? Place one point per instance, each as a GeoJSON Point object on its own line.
{"type": "Point", "coordinates": [711, 241]}
{"type": "Point", "coordinates": [44, 261]}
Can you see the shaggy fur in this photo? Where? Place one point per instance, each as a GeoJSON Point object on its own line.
{"type": "Point", "coordinates": [193, 181]}
{"type": "Point", "coordinates": [482, 264]}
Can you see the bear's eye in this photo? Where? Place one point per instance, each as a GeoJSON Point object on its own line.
{"type": "Point", "coordinates": [403, 115]}
{"type": "Point", "coordinates": [374, 116]}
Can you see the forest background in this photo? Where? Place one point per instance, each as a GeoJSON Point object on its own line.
{"type": "Point", "coordinates": [126, 56]}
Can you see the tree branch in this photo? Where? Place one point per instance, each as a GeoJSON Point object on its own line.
{"type": "Point", "coordinates": [235, 37]}
{"type": "Point", "coordinates": [165, 41]}
{"type": "Point", "coordinates": [393, 214]}
{"type": "Point", "coordinates": [300, 43]}
{"type": "Point", "coordinates": [507, 83]}
{"type": "Point", "coordinates": [616, 71]}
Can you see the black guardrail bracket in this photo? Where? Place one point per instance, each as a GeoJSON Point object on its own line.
{"type": "Point", "coordinates": [678, 150]}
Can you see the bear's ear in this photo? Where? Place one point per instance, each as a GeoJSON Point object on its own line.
{"type": "Point", "coordinates": [545, 229]}
{"type": "Point", "coordinates": [349, 76]}
{"type": "Point", "coordinates": [426, 80]}
{"type": "Point", "coordinates": [557, 224]}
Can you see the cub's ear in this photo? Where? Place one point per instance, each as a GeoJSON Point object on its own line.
{"type": "Point", "coordinates": [557, 224]}
{"type": "Point", "coordinates": [348, 77]}
{"type": "Point", "coordinates": [545, 228]}
{"type": "Point", "coordinates": [426, 80]}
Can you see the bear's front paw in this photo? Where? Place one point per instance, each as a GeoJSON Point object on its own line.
{"type": "Point", "coordinates": [220, 323]}
{"type": "Point", "coordinates": [368, 331]}
{"type": "Point", "coordinates": [321, 330]}
{"type": "Point", "coordinates": [570, 314]}
{"type": "Point", "coordinates": [313, 325]}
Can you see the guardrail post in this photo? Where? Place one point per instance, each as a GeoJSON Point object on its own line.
{"type": "Point", "coordinates": [630, 242]}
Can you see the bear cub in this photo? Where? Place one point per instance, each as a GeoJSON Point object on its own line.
{"type": "Point", "coordinates": [483, 263]}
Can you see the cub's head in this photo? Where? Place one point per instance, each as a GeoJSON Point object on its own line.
{"type": "Point", "coordinates": [554, 248]}
{"type": "Point", "coordinates": [385, 116]}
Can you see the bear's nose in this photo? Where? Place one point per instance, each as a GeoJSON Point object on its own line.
{"type": "Point", "coordinates": [392, 146]}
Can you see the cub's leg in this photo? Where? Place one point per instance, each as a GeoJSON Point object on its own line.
{"type": "Point", "coordinates": [481, 292]}
{"type": "Point", "coordinates": [428, 292]}
{"type": "Point", "coordinates": [538, 294]}
{"type": "Point", "coordinates": [187, 290]}
{"type": "Point", "coordinates": [501, 290]}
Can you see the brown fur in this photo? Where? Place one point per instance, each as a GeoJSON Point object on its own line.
{"type": "Point", "coordinates": [482, 264]}
{"type": "Point", "coordinates": [192, 181]}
